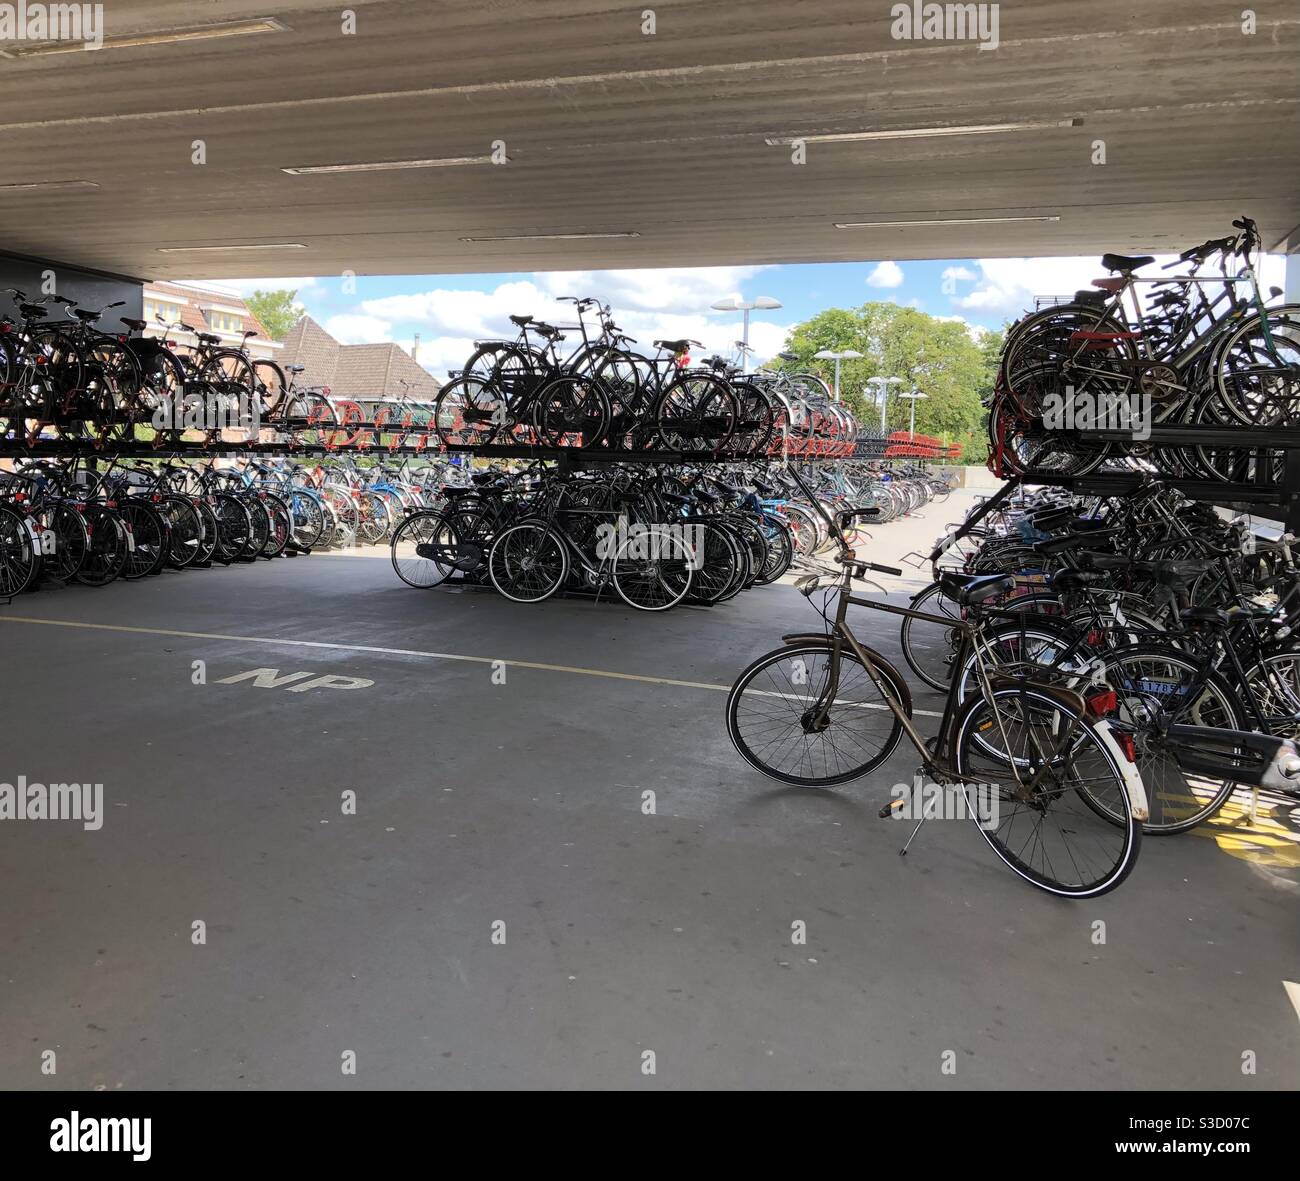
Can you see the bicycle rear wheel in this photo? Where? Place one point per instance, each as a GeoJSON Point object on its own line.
{"type": "Point", "coordinates": [1077, 834]}
{"type": "Point", "coordinates": [308, 519]}
{"type": "Point", "coordinates": [423, 550]}
{"type": "Point", "coordinates": [20, 556]}
{"type": "Point", "coordinates": [653, 572]}
{"type": "Point", "coordinates": [528, 563]}
{"type": "Point", "coordinates": [148, 539]}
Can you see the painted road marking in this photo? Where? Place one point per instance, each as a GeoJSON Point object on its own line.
{"type": "Point", "coordinates": [1293, 992]}
{"type": "Point", "coordinates": [1263, 839]}
{"type": "Point", "coordinates": [533, 664]}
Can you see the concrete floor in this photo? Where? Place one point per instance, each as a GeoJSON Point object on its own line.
{"type": "Point", "coordinates": [520, 803]}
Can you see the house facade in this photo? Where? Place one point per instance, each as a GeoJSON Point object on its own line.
{"type": "Point", "coordinates": [190, 308]}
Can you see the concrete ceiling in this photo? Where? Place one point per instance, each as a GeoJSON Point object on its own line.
{"type": "Point", "coordinates": [609, 130]}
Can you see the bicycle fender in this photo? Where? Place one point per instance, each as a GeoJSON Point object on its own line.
{"type": "Point", "coordinates": [1137, 794]}
{"type": "Point", "coordinates": [807, 638]}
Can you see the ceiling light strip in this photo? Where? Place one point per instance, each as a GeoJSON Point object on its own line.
{"type": "Point", "coordinates": [940, 221]}
{"type": "Point", "coordinates": [549, 237]}
{"type": "Point", "coordinates": [46, 185]}
{"type": "Point", "coordinates": [386, 165]}
{"type": "Point", "coordinates": [237, 246]}
{"type": "Point", "coordinates": [239, 28]}
{"type": "Point", "coordinates": [920, 132]}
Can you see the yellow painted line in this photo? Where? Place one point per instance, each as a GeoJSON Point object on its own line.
{"type": "Point", "coordinates": [553, 668]}
{"type": "Point", "coordinates": [1265, 842]}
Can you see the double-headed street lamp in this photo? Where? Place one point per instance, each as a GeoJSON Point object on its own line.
{"type": "Point", "coordinates": [732, 303]}
{"type": "Point", "coordinates": [913, 397]}
{"type": "Point", "coordinates": [832, 355]}
{"type": "Point", "coordinates": [883, 383]}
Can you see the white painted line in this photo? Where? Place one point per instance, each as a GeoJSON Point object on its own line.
{"type": "Point", "coordinates": [554, 668]}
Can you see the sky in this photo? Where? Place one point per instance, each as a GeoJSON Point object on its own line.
{"type": "Point", "coordinates": [450, 312]}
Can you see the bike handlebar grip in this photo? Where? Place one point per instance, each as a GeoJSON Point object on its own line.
{"type": "Point", "coordinates": [885, 569]}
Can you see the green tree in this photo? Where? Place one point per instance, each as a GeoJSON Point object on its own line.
{"type": "Point", "coordinates": [937, 357]}
{"type": "Point", "coordinates": [277, 310]}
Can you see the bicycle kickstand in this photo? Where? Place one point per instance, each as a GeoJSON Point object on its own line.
{"type": "Point", "coordinates": [892, 806]}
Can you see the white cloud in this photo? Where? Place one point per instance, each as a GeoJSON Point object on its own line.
{"type": "Point", "coordinates": [441, 353]}
{"type": "Point", "coordinates": [886, 274]}
{"type": "Point", "coordinates": [1009, 286]}
{"type": "Point", "coordinates": [658, 289]}
{"type": "Point", "coordinates": [649, 305]}
{"type": "Point", "coordinates": [303, 284]}
{"type": "Point", "coordinates": [352, 328]}
{"type": "Point", "coordinates": [974, 331]}
{"type": "Point", "coordinates": [963, 274]}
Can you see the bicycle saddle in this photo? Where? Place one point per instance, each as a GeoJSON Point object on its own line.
{"type": "Point", "coordinates": [1172, 572]}
{"type": "Point", "coordinates": [1212, 615]}
{"type": "Point", "coordinates": [137, 325]}
{"type": "Point", "coordinates": [33, 310]}
{"type": "Point", "coordinates": [1096, 561]}
{"type": "Point", "coordinates": [969, 589]}
{"type": "Point", "coordinates": [1059, 545]}
{"type": "Point", "coordinates": [1124, 263]}
{"type": "Point", "coordinates": [85, 315]}
{"type": "Point", "coordinates": [287, 368]}
{"type": "Point", "coordinates": [1071, 580]}
{"type": "Point", "coordinates": [208, 338]}
{"type": "Point", "coordinates": [673, 346]}
{"type": "Point", "coordinates": [1249, 611]}
{"type": "Point", "coordinates": [788, 356]}
{"type": "Point", "coordinates": [520, 320]}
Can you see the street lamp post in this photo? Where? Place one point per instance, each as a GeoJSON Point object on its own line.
{"type": "Point", "coordinates": [734, 303]}
{"type": "Point", "coordinates": [832, 355]}
{"type": "Point", "coordinates": [914, 397]}
{"type": "Point", "coordinates": [883, 383]}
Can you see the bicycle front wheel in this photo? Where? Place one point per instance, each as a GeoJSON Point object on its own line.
{"type": "Point", "coordinates": [772, 715]}
{"type": "Point", "coordinates": [1052, 790]}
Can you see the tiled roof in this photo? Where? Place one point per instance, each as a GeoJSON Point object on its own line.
{"type": "Point", "coordinates": [307, 343]}
{"type": "Point", "coordinates": [362, 371]}
{"type": "Point", "coordinates": [195, 312]}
